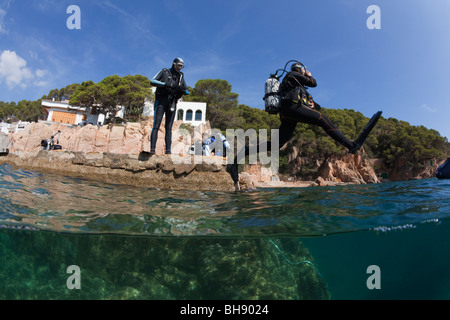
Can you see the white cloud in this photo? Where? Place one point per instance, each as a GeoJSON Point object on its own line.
{"type": "Point", "coordinates": [428, 108]}
{"type": "Point", "coordinates": [131, 19]}
{"type": "Point", "coordinates": [4, 5]}
{"type": "Point", "coordinates": [47, 5]}
{"type": "Point", "coordinates": [41, 73]}
{"type": "Point", "coordinates": [2, 22]}
{"type": "Point", "coordinates": [41, 83]}
{"type": "Point", "coordinates": [14, 71]}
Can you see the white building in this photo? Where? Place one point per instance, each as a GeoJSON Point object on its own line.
{"type": "Point", "coordinates": [7, 128]}
{"type": "Point", "coordinates": [62, 112]}
{"type": "Point", "coordinates": [193, 113]}
{"type": "Point", "coordinates": [4, 127]}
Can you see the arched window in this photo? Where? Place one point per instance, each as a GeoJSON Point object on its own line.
{"type": "Point", "coordinates": [180, 114]}
{"type": "Point", "coordinates": [189, 114]}
{"type": "Point", "coordinates": [198, 115]}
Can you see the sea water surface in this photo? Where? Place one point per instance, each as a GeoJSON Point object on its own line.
{"type": "Point", "coordinates": [376, 241]}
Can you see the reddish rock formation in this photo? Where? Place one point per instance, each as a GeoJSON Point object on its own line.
{"type": "Point", "coordinates": [350, 169]}
{"type": "Point", "coordinates": [402, 170]}
{"type": "Point", "coordinates": [131, 138]}
{"type": "Point", "coordinates": [114, 155]}
{"type": "Point", "coordinates": [163, 171]}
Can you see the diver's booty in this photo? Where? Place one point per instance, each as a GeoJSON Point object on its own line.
{"type": "Point", "coordinates": [365, 133]}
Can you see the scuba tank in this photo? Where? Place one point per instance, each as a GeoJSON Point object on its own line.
{"type": "Point", "coordinates": [272, 97]}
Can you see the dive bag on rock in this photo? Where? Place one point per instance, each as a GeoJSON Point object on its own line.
{"type": "Point", "coordinates": [272, 97]}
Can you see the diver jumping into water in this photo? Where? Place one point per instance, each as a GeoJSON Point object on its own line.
{"type": "Point", "coordinates": [297, 105]}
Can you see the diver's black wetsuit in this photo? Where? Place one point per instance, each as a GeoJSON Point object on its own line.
{"type": "Point", "coordinates": [170, 87]}
{"type": "Point", "coordinates": [294, 111]}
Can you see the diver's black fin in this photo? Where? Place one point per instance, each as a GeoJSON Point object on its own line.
{"type": "Point", "coordinates": [365, 133]}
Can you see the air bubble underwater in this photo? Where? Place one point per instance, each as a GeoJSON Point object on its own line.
{"type": "Point", "coordinates": [18, 227]}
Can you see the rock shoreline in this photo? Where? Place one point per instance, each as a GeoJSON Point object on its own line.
{"type": "Point", "coordinates": [159, 171]}
{"type": "Point", "coordinates": [172, 172]}
{"type": "Point", "coordinates": [115, 155]}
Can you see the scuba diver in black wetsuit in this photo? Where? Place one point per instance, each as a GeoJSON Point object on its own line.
{"type": "Point", "coordinates": [170, 88]}
{"type": "Point", "coordinates": [297, 105]}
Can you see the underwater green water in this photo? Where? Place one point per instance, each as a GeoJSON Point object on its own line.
{"type": "Point", "coordinates": [272, 244]}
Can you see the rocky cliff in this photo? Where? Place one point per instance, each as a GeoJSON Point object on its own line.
{"type": "Point", "coordinates": [164, 171]}
{"type": "Point", "coordinates": [350, 169]}
{"type": "Point", "coordinates": [131, 138]}
{"type": "Point", "coordinates": [114, 155]}
{"type": "Point", "coordinates": [402, 170]}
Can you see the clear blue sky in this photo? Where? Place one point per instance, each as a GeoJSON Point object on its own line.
{"type": "Point", "coordinates": [402, 68]}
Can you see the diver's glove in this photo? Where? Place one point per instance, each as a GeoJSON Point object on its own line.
{"type": "Point", "coordinates": [182, 90]}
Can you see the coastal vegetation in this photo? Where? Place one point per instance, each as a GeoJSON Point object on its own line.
{"type": "Point", "coordinates": [392, 140]}
{"type": "Point", "coordinates": [113, 92]}
{"type": "Point", "coordinates": [23, 110]}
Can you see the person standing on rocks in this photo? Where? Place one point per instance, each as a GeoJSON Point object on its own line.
{"type": "Point", "coordinates": [170, 87]}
